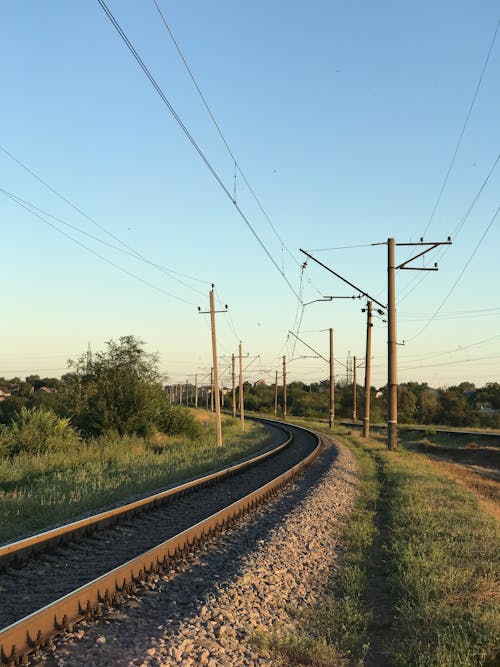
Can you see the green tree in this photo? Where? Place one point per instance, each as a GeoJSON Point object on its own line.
{"type": "Point", "coordinates": [120, 391]}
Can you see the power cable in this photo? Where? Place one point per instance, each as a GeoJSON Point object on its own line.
{"type": "Point", "coordinates": [190, 137]}
{"type": "Point", "coordinates": [101, 257]}
{"type": "Point", "coordinates": [459, 142]}
{"type": "Point", "coordinates": [18, 199]}
{"type": "Point", "coordinates": [458, 277]}
{"type": "Point", "coordinates": [417, 280]}
{"type": "Point", "coordinates": [94, 222]}
{"type": "Point", "coordinates": [237, 165]}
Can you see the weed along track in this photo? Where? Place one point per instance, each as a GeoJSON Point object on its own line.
{"type": "Point", "coordinates": [45, 595]}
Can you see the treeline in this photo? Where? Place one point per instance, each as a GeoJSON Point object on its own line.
{"type": "Point", "coordinates": [119, 392]}
{"type": "Point", "coordinates": [461, 405]}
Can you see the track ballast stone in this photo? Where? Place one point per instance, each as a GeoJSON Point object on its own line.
{"type": "Point", "coordinates": [245, 581]}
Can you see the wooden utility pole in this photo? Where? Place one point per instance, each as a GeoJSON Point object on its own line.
{"type": "Point", "coordinates": [354, 390]}
{"type": "Point", "coordinates": [284, 386]}
{"type": "Point", "coordinates": [332, 384]}
{"type": "Point", "coordinates": [215, 371]}
{"type": "Point", "coordinates": [195, 390]}
{"type": "Point", "coordinates": [392, 382]}
{"type": "Point", "coordinates": [242, 401]}
{"type": "Point", "coordinates": [233, 377]}
{"type": "Point", "coordinates": [276, 394]}
{"type": "Point", "coordinates": [212, 389]}
{"type": "Point", "coordinates": [368, 363]}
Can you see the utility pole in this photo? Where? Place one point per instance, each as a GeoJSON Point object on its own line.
{"type": "Point", "coordinates": [276, 395]}
{"type": "Point", "coordinates": [368, 354]}
{"type": "Point", "coordinates": [392, 383]}
{"type": "Point", "coordinates": [284, 386]}
{"type": "Point", "coordinates": [196, 390]}
{"type": "Point", "coordinates": [242, 401]}
{"type": "Point", "coordinates": [332, 384]}
{"type": "Point", "coordinates": [212, 389]}
{"type": "Point", "coordinates": [233, 377]}
{"type": "Point", "coordinates": [215, 372]}
{"type": "Point", "coordinates": [354, 388]}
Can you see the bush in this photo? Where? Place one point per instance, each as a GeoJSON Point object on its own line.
{"type": "Point", "coordinates": [37, 432]}
{"type": "Point", "coordinates": [176, 420]}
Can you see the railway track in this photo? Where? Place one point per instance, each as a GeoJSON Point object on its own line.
{"type": "Point", "coordinates": [47, 594]}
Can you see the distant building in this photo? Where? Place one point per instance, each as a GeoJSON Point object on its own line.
{"type": "Point", "coordinates": [4, 393]}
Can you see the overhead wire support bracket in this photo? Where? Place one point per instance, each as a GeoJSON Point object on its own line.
{"type": "Point", "coordinates": [358, 289]}
{"type": "Point", "coordinates": [430, 246]}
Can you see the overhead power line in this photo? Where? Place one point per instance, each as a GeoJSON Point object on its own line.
{"type": "Point", "coordinates": [19, 200]}
{"type": "Point", "coordinates": [101, 257]}
{"type": "Point", "coordinates": [191, 139]}
{"type": "Point", "coordinates": [225, 141]}
{"type": "Point", "coordinates": [461, 135]}
{"type": "Point", "coordinates": [416, 281]}
{"type": "Point", "coordinates": [476, 248]}
{"type": "Point", "coordinates": [94, 222]}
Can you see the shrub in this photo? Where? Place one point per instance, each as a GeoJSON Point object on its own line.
{"type": "Point", "coordinates": [176, 420]}
{"type": "Point", "coordinates": [37, 432]}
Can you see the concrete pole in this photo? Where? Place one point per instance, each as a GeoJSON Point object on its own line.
{"type": "Point", "coordinates": [392, 382]}
{"type": "Point", "coordinates": [368, 356]}
{"type": "Point", "coordinates": [212, 389]}
{"type": "Point", "coordinates": [218, 423]}
{"type": "Point", "coordinates": [187, 393]}
{"type": "Point", "coordinates": [276, 394]}
{"type": "Point", "coordinates": [195, 390]}
{"type": "Point", "coordinates": [233, 376]}
{"type": "Point", "coordinates": [284, 386]}
{"type": "Point", "coordinates": [354, 390]}
{"type": "Point", "coordinates": [332, 383]}
{"type": "Point", "coordinates": [242, 401]}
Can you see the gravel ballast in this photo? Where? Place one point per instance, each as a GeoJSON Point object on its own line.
{"type": "Point", "coordinates": [245, 581]}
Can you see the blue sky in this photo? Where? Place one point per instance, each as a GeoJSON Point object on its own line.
{"type": "Point", "coordinates": [344, 117]}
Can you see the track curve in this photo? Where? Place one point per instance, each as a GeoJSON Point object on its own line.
{"type": "Point", "coordinates": [100, 569]}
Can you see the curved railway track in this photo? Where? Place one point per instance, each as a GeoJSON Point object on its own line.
{"type": "Point", "coordinates": [46, 595]}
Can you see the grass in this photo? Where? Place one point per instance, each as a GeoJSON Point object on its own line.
{"type": "Point", "coordinates": [419, 585]}
{"type": "Point", "coordinates": [38, 491]}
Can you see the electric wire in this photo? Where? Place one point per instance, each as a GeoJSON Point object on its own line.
{"type": "Point", "coordinates": [431, 319]}
{"type": "Point", "coordinates": [94, 222]}
{"type": "Point", "coordinates": [18, 199]}
{"type": "Point", "coordinates": [417, 280]}
{"type": "Point", "coordinates": [237, 165]}
{"type": "Point", "coordinates": [104, 259]}
{"type": "Point", "coordinates": [190, 138]}
{"type": "Point", "coordinates": [459, 142]}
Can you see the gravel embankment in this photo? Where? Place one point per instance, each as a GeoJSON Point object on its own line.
{"type": "Point", "coordinates": [244, 581]}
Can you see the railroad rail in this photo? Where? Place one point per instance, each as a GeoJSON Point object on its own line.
{"type": "Point", "coordinates": [415, 427]}
{"type": "Point", "coordinates": [88, 600]}
{"type": "Point", "coordinates": [19, 550]}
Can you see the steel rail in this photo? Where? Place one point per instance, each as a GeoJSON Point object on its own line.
{"type": "Point", "coordinates": [416, 427]}
{"type": "Point", "coordinates": [24, 548]}
{"type": "Point", "coordinates": [37, 629]}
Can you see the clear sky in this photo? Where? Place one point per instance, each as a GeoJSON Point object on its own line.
{"type": "Point", "coordinates": [343, 116]}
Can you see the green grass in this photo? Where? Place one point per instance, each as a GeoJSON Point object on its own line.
{"type": "Point", "coordinates": [419, 585]}
{"type": "Point", "coordinates": [38, 491]}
